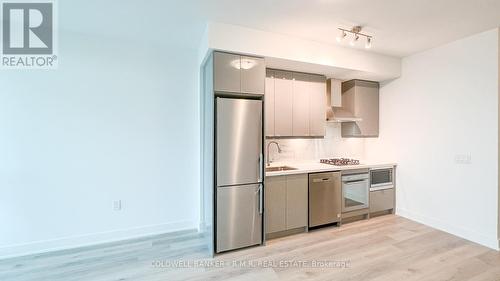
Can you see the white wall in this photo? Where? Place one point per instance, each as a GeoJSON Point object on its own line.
{"type": "Point", "coordinates": [117, 120]}
{"type": "Point", "coordinates": [445, 104]}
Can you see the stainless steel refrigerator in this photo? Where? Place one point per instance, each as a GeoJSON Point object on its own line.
{"type": "Point", "coordinates": [239, 173]}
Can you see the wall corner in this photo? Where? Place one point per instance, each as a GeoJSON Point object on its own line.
{"type": "Point", "coordinates": [498, 135]}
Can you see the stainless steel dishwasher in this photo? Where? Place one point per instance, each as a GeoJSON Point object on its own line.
{"type": "Point", "coordinates": [325, 198]}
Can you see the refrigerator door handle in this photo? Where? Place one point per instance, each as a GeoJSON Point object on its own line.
{"type": "Point", "coordinates": [260, 199]}
{"type": "Point", "coordinates": [261, 162]}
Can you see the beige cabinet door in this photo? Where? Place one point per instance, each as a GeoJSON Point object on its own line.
{"type": "Point", "coordinates": [227, 76]}
{"type": "Point", "coordinates": [381, 200]}
{"type": "Point", "coordinates": [269, 104]}
{"type": "Point", "coordinates": [253, 71]}
{"type": "Point", "coordinates": [283, 103]}
{"type": "Point", "coordinates": [362, 99]}
{"type": "Point", "coordinates": [317, 106]}
{"type": "Point", "coordinates": [296, 201]}
{"type": "Point", "coordinates": [367, 107]}
{"type": "Point", "coordinates": [275, 204]}
{"type": "Point", "coordinates": [300, 113]}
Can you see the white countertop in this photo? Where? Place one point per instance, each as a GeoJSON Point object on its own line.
{"type": "Point", "coordinates": [314, 167]}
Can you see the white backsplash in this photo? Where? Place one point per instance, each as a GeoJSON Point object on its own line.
{"type": "Point", "coordinates": [312, 149]}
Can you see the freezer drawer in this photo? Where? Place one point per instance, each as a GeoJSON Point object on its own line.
{"type": "Point", "coordinates": [381, 200]}
{"type": "Point", "coordinates": [239, 216]}
{"type": "Point", "coordinates": [239, 141]}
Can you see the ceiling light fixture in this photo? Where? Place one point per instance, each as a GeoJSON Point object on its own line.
{"type": "Point", "coordinates": [356, 33]}
{"type": "Point", "coordinates": [243, 63]}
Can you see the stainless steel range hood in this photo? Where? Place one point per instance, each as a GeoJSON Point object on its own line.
{"type": "Point", "coordinates": [336, 112]}
{"type": "Point", "coordinates": [339, 115]}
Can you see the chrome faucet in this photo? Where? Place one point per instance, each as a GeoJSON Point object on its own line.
{"type": "Point", "coordinates": [268, 160]}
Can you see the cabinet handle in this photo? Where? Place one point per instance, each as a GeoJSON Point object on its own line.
{"type": "Point", "coordinates": [353, 182]}
{"type": "Point", "coordinates": [322, 180]}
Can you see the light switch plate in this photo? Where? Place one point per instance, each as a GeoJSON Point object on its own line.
{"type": "Point", "coordinates": [463, 159]}
{"type": "Point", "coordinates": [117, 205]}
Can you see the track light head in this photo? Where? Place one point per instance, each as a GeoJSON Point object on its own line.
{"type": "Point", "coordinates": [341, 36]}
{"type": "Point", "coordinates": [354, 40]}
{"type": "Point", "coordinates": [368, 43]}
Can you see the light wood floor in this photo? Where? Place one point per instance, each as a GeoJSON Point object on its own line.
{"type": "Point", "coordinates": [384, 248]}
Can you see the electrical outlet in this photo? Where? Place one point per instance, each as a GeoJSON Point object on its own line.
{"type": "Point", "coordinates": [463, 159]}
{"type": "Point", "coordinates": [117, 205]}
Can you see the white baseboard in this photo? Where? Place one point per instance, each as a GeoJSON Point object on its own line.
{"type": "Point", "coordinates": [93, 239]}
{"type": "Point", "coordinates": [468, 234]}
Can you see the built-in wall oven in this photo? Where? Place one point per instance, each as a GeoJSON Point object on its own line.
{"type": "Point", "coordinates": [381, 178]}
{"type": "Point", "coordinates": [355, 190]}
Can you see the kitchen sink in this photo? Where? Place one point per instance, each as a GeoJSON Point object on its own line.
{"type": "Point", "coordinates": [279, 168]}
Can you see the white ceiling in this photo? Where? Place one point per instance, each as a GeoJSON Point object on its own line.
{"type": "Point", "coordinates": [399, 27]}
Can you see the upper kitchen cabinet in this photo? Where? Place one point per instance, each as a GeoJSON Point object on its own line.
{"type": "Point", "coordinates": [253, 70]}
{"type": "Point", "coordinates": [227, 74]}
{"type": "Point", "coordinates": [295, 104]}
{"type": "Point", "coordinates": [362, 99]}
{"type": "Point", "coordinates": [283, 104]}
{"type": "Point", "coordinates": [301, 95]}
{"type": "Point", "coordinates": [269, 102]}
{"type": "Point", "coordinates": [238, 74]}
{"type": "Point", "coordinates": [317, 104]}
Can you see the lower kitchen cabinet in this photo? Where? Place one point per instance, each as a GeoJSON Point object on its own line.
{"type": "Point", "coordinates": [296, 201]}
{"type": "Point", "coordinates": [381, 200]}
{"type": "Point", "coordinates": [286, 202]}
{"type": "Point", "coordinates": [275, 204]}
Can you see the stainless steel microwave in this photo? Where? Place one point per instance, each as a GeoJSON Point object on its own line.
{"type": "Point", "coordinates": [381, 178]}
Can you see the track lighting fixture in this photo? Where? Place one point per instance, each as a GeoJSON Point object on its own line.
{"type": "Point", "coordinates": [356, 33]}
